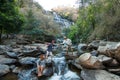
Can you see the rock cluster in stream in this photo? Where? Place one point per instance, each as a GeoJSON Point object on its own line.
{"type": "Point", "coordinates": [99, 60]}
{"type": "Point", "coordinates": [19, 57]}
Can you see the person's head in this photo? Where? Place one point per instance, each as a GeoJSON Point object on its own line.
{"type": "Point", "coordinates": [53, 41]}
{"type": "Point", "coordinates": [38, 47]}
{"type": "Point", "coordinates": [42, 56]}
{"type": "Point", "coordinates": [65, 37]}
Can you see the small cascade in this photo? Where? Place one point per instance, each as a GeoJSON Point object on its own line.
{"type": "Point", "coordinates": [63, 22]}
{"type": "Point", "coordinates": [61, 70]}
{"type": "Point", "coordinates": [27, 75]}
{"type": "Point", "coordinates": [60, 65]}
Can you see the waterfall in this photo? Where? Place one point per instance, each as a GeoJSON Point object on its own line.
{"type": "Point", "coordinates": [63, 73]}
{"type": "Point", "coordinates": [60, 65]}
{"type": "Point", "coordinates": [63, 22]}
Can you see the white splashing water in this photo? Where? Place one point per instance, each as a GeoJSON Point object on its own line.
{"type": "Point", "coordinates": [68, 76]}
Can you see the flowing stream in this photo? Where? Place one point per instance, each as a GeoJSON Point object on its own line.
{"type": "Point", "coordinates": [61, 72]}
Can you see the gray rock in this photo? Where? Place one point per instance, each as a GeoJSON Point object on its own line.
{"type": "Point", "coordinates": [98, 75]}
{"type": "Point", "coordinates": [1, 52]}
{"type": "Point", "coordinates": [77, 63]}
{"type": "Point", "coordinates": [2, 56]}
{"type": "Point", "coordinates": [107, 46]}
{"type": "Point", "coordinates": [12, 67]}
{"type": "Point", "coordinates": [94, 53]}
{"type": "Point", "coordinates": [17, 50]}
{"type": "Point", "coordinates": [105, 59]}
{"type": "Point", "coordinates": [16, 70]}
{"type": "Point", "coordinates": [29, 52]}
{"type": "Point", "coordinates": [7, 61]}
{"type": "Point", "coordinates": [5, 48]}
{"type": "Point", "coordinates": [28, 60]}
{"type": "Point", "coordinates": [94, 44]}
{"type": "Point", "coordinates": [81, 48]}
{"type": "Point", "coordinates": [48, 71]}
{"type": "Point", "coordinates": [4, 69]}
{"type": "Point", "coordinates": [12, 54]}
{"type": "Point", "coordinates": [22, 42]}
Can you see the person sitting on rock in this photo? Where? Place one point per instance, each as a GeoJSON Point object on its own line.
{"type": "Point", "coordinates": [49, 49]}
{"type": "Point", "coordinates": [41, 64]}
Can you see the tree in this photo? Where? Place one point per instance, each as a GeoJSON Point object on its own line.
{"type": "Point", "coordinates": [31, 23]}
{"type": "Point", "coordinates": [10, 18]}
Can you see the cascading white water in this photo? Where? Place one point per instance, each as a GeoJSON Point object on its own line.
{"type": "Point", "coordinates": [27, 75]}
{"type": "Point", "coordinates": [63, 22]}
{"type": "Point", "coordinates": [62, 66]}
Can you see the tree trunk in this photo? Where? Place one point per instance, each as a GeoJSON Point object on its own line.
{"type": "Point", "coordinates": [0, 34]}
{"type": "Point", "coordinates": [93, 24]}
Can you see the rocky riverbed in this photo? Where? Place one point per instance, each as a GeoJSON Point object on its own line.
{"type": "Point", "coordinates": [98, 60]}
{"type": "Point", "coordinates": [18, 62]}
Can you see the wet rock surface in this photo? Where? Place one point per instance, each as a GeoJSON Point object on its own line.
{"type": "Point", "coordinates": [28, 60]}
{"type": "Point", "coordinates": [21, 60]}
{"type": "Point", "coordinates": [7, 61]}
{"type": "Point", "coordinates": [4, 69]}
{"type": "Point", "coordinates": [98, 75]}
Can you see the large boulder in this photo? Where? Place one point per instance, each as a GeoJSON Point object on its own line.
{"type": "Point", "coordinates": [98, 75]}
{"type": "Point", "coordinates": [107, 46]}
{"type": "Point", "coordinates": [113, 52]}
{"type": "Point", "coordinates": [108, 61]}
{"type": "Point", "coordinates": [90, 62]}
{"type": "Point", "coordinates": [4, 69]}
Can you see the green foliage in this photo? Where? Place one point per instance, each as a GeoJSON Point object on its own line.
{"type": "Point", "coordinates": [73, 34]}
{"type": "Point", "coordinates": [9, 13]}
{"type": "Point", "coordinates": [31, 24]}
{"type": "Point", "coordinates": [100, 19]}
{"type": "Point", "coordinates": [86, 21]}
{"type": "Point", "coordinates": [10, 18]}
{"type": "Point", "coordinates": [38, 23]}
